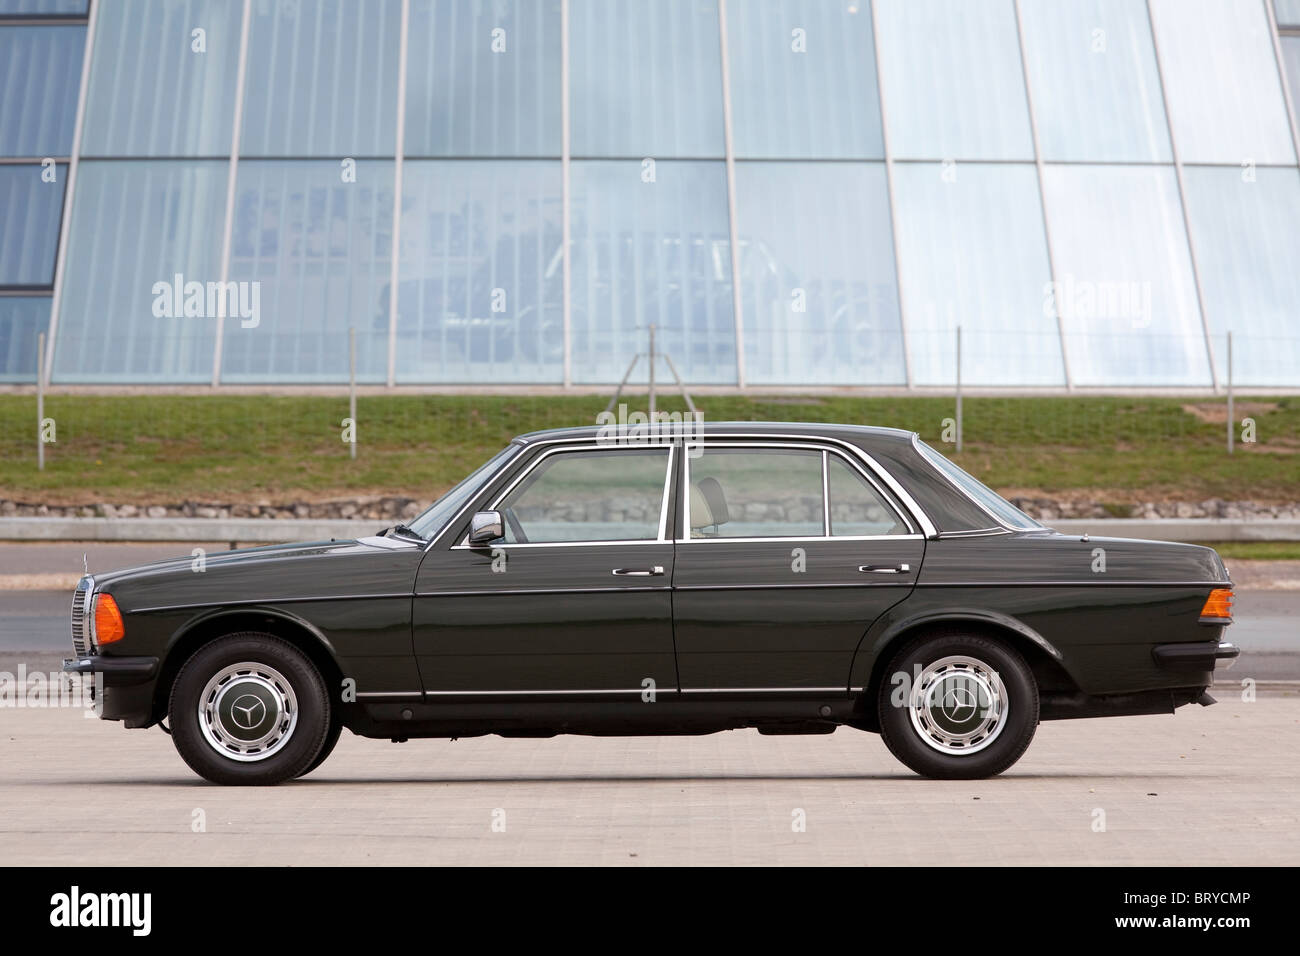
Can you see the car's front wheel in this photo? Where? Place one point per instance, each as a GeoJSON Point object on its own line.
{"type": "Point", "coordinates": [249, 709]}
{"type": "Point", "coordinates": [955, 706]}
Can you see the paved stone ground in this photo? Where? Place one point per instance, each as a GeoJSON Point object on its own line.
{"type": "Point", "coordinates": [1218, 785]}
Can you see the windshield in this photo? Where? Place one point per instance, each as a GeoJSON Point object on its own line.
{"type": "Point", "coordinates": [441, 511]}
{"type": "Point", "coordinates": [984, 496]}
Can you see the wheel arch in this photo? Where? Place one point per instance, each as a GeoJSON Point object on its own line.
{"type": "Point", "coordinates": [1045, 661]}
{"type": "Point", "coordinates": [217, 623]}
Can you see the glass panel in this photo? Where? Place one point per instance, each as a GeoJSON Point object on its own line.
{"type": "Point", "coordinates": [817, 274]}
{"type": "Point", "coordinates": [49, 7]}
{"type": "Point", "coordinates": [141, 233]}
{"type": "Point", "coordinates": [481, 296]}
{"type": "Point", "coordinates": [651, 252]}
{"type": "Point", "coordinates": [1247, 239]}
{"type": "Point", "coordinates": [1125, 290]}
{"type": "Point", "coordinates": [29, 228]}
{"type": "Point", "coordinates": [1221, 81]}
{"type": "Point", "coordinates": [1291, 60]}
{"type": "Point", "coordinates": [317, 252]}
{"type": "Point", "coordinates": [856, 507]}
{"type": "Point", "coordinates": [1287, 12]}
{"type": "Point", "coordinates": [952, 79]}
{"type": "Point", "coordinates": [589, 496]}
{"type": "Point", "coordinates": [971, 251]}
{"type": "Point", "coordinates": [151, 92]}
{"type": "Point", "coordinates": [755, 493]}
{"type": "Point", "coordinates": [803, 80]}
{"type": "Point", "coordinates": [474, 91]}
{"type": "Point", "coordinates": [22, 319]}
{"type": "Point", "coordinates": [985, 496]}
{"type": "Point", "coordinates": [40, 73]}
{"type": "Point", "coordinates": [1093, 73]}
{"type": "Point", "coordinates": [322, 78]}
{"type": "Point", "coordinates": [645, 78]}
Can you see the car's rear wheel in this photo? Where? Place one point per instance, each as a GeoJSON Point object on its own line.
{"type": "Point", "coordinates": [251, 709]}
{"type": "Point", "coordinates": [956, 705]}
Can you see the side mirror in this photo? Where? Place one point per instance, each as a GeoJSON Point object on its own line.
{"type": "Point", "coordinates": [486, 527]}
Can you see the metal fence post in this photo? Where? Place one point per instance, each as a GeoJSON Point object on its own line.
{"type": "Point", "coordinates": [959, 388]}
{"type": "Point", "coordinates": [40, 401]}
{"type": "Point", "coordinates": [652, 372]}
{"type": "Point", "coordinates": [352, 388]}
{"type": "Point", "coordinates": [1230, 409]}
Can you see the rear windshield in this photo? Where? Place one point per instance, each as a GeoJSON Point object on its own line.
{"type": "Point", "coordinates": [984, 496]}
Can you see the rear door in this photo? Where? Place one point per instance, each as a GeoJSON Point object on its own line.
{"type": "Point", "coordinates": [787, 552]}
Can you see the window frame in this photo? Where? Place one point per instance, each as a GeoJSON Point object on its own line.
{"type": "Point", "coordinates": [826, 450]}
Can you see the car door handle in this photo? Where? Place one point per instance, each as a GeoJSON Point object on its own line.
{"type": "Point", "coordinates": [884, 568]}
{"type": "Point", "coordinates": [640, 572]}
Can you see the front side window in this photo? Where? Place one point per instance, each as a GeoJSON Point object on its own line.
{"type": "Point", "coordinates": [605, 495]}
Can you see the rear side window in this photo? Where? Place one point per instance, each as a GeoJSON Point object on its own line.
{"type": "Point", "coordinates": [755, 493]}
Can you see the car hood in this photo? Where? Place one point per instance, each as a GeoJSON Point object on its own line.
{"type": "Point", "coordinates": [301, 570]}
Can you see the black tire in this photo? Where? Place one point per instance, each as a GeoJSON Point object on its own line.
{"type": "Point", "coordinates": [249, 709]}
{"type": "Point", "coordinates": [327, 748]}
{"type": "Point", "coordinates": [966, 708]}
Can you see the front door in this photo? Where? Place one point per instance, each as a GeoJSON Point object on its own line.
{"type": "Point", "coordinates": [789, 552]}
{"type": "Point", "coordinates": [575, 598]}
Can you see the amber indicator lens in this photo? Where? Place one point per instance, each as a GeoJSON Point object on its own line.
{"type": "Point", "coordinates": [1218, 604]}
{"type": "Point", "coordinates": [108, 620]}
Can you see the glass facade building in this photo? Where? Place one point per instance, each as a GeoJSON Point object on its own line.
{"type": "Point", "coordinates": [794, 193]}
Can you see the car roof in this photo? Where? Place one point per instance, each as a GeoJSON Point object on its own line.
{"type": "Point", "coordinates": [857, 434]}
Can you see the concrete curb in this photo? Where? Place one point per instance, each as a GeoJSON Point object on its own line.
{"type": "Point", "coordinates": [266, 531]}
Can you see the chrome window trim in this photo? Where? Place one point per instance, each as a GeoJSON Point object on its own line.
{"type": "Point", "coordinates": [998, 522]}
{"type": "Point", "coordinates": [568, 446]}
{"type": "Point", "coordinates": [683, 433]}
{"type": "Point", "coordinates": [912, 536]}
{"type": "Point", "coordinates": [811, 443]}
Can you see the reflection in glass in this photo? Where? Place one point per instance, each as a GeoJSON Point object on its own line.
{"type": "Point", "coordinates": [645, 253]}
{"type": "Point", "coordinates": [481, 294]}
{"type": "Point", "coordinates": [818, 287]}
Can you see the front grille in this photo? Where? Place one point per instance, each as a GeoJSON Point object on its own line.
{"type": "Point", "coordinates": [81, 643]}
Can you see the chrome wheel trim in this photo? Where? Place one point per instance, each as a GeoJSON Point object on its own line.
{"type": "Point", "coordinates": [247, 712]}
{"type": "Point", "coordinates": [958, 705]}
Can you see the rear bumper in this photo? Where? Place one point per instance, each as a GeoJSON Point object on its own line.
{"type": "Point", "coordinates": [1196, 656]}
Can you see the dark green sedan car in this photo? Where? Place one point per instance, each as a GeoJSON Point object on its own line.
{"type": "Point", "coordinates": [791, 578]}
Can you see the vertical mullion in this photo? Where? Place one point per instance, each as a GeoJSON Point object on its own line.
{"type": "Point", "coordinates": [566, 226]}
{"type": "Point", "coordinates": [394, 272]}
{"type": "Point", "coordinates": [1042, 193]}
{"type": "Point", "coordinates": [736, 292]}
{"type": "Point", "coordinates": [65, 224]}
{"type": "Point", "coordinates": [893, 201]}
{"type": "Point", "coordinates": [1182, 200]}
{"type": "Point", "coordinates": [231, 183]}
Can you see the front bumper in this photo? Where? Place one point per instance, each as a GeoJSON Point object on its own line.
{"type": "Point", "coordinates": [1196, 656]}
{"type": "Point", "coordinates": [117, 671]}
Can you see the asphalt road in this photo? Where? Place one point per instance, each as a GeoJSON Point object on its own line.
{"type": "Point", "coordinates": [1217, 786]}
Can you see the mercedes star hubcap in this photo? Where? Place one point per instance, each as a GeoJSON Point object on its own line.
{"type": "Point", "coordinates": [247, 711]}
{"type": "Point", "coordinates": [958, 705]}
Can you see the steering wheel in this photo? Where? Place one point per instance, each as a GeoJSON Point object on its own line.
{"type": "Point", "coordinates": [516, 528]}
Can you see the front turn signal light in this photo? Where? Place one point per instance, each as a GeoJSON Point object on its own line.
{"type": "Point", "coordinates": [1218, 606]}
{"type": "Point", "coordinates": [108, 620]}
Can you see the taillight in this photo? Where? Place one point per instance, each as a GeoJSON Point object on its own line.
{"type": "Point", "coordinates": [1218, 607]}
{"type": "Point", "coordinates": [108, 620]}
